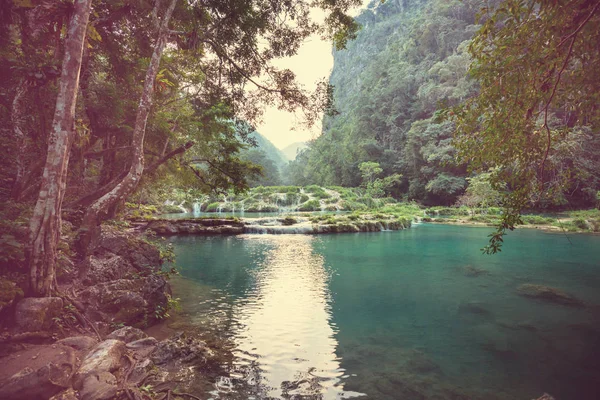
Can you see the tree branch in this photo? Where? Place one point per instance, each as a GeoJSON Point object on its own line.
{"type": "Point", "coordinates": [181, 149]}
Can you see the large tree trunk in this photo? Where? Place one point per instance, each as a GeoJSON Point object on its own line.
{"type": "Point", "coordinates": [46, 219]}
{"type": "Point", "coordinates": [121, 191]}
{"type": "Point", "coordinates": [18, 115]}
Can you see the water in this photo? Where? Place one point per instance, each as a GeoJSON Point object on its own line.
{"type": "Point", "coordinates": [413, 314]}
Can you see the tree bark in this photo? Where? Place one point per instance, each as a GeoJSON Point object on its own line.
{"type": "Point", "coordinates": [17, 117]}
{"type": "Point", "coordinates": [45, 222]}
{"type": "Point", "coordinates": [119, 193]}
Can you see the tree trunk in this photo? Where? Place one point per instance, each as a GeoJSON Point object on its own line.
{"type": "Point", "coordinates": [120, 192]}
{"type": "Point", "coordinates": [17, 116]}
{"type": "Point", "coordinates": [46, 219]}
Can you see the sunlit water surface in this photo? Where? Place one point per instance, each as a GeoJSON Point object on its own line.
{"type": "Point", "coordinates": [413, 314]}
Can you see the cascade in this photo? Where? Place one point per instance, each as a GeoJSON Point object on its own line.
{"type": "Point", "coordinates": [196, 208]}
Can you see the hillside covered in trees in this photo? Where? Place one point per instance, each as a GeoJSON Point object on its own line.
{"type": "Point", "coordinates": [411, 59]}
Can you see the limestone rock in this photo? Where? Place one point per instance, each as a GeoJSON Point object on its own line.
{"type": "Point", "coordinates": [37, 372]}
{"type": "Point", "coordinates": [101, 386]}
{"type": "Point", "coordinates": [105, 269]}
{"type": "Point", "coordinates": [127, 334]}
{"type": "Point", "coordinates": [181, 349]}
{"type": "Point", "coordinates": [146, 342]}
{"type": "Point", "coordinates": [128, 301]}
{"type": "Point", "coordinates": [549, 294]}
{"type": "Point", "coordinates": [68, 394]}
{"type": "Point", "coordinates": [140, 254]}
{"type": "Point", "coordinates": [36, 314]}
{"type": "Point", "coordinates": [105, 357]}
{"type": "Point", "coordinates": [79, 342]}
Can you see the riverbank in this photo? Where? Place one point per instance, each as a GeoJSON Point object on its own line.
{"type": "Point", "coordinates": [86, 341]}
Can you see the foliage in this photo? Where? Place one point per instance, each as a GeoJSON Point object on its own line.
{"type": "Point", "coordinates": [408, 57]}
{"type": "Point", "coordinates": [537, 105]}
{"type": "Point", "coordinates": [480, 193]}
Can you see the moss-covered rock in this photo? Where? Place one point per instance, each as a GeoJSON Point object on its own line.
{"type": "Point", "coordinates": [10, 294]}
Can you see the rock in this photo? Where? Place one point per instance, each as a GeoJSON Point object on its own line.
{"type": "Point", "coordinates": [105, 269]}
{"type": "Point", "coordinates": [101, 386]}
{"type": "Point", "coordinates": [127, 334]}
{"type": "Point", "coordinates": [37, 372]}
{"type": "Point", "coordinates": [419, 363]}
{"type": "Point", "coordinates": [10, 294]}
{"type": "Point", "coordinates": [181, 349]}
{"type": "Point", "coordinates": [474, 307]}
{"type": "Point", "coordinates": [545, 396]}
{"type": "Point", "coordinates": [105, 357]}
{"type": "Point", "coordinates": [128, 301]}
{"type": "Point", "coordinates": [68, 394]}
{"type": "Point", "coordinates": [140, 254]}
{"type": "Point", "coordinates": [473, 272]}
{"type": "Point", "coordinates": [549, 294]}
{"type": "Point", "coordinates": [146, 342]}
{"type": "Point", "coordinates": [79, 342]}
{"type": "Point", "coordinates": [36, 314]}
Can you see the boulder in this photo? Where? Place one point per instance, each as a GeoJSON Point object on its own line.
{"type": "Point", "coordinates": [37, 372]}
{"type": "Point", "coordinates": [105, 269]}
{"type": "Point", "coordinates": [68, 394]}
{"type": "Point", "coordinates": [127, 334]}
{"type": "Point", "coordinates": [101, 386]}
{"type": "Point", "coordinates": [10, 294]}
{"type": "Point", "coordinates": [181, 349]}
{"type": "Point", "coordinates": [104, 358]}
{"type": "Point", "coordinates": [128, 301]}
{"type": "Point", "coordinates": [143, 347]}
{"type": "Point", "coordinates": [146, 342]}
{"type": "Point", "coordinates": [79, 342]}
{"type": "Point", "coordinates": [36, 314]}
{"type": "Point", "coordinates": [549, 294]}
{"type": "Point", "coordinates": [139, 253]}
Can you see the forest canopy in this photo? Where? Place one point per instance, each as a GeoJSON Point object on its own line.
{"type": "Point", "coordinates": [98, 96]}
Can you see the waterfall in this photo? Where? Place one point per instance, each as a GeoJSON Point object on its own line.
{"type": "Point", "coordinates": [196, 209]}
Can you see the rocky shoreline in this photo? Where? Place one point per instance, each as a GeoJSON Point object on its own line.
{"type": "Point", "coordinates": [86, 343]}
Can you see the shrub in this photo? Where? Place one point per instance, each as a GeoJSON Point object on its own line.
{"type": "Point", "coordinates": [287, 221]}
{"type": "Point", "coordinates": [580, 223]}
{"type": "Point", "coordinates": [312, 205]}
{"type": "Point", "coordinates": [212, 207]}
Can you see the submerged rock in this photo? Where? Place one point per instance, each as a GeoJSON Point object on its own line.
{"type": "Point", "coordinates": [549, 294]}
{"type": "Point", "coordinates": [36, 314]}
{"type": "Point", "coordinates": [471, 271]}
{"type": "Point", "coordinates": [474, 307]}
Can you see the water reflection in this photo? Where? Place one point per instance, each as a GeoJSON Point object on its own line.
{"type": "Point", "coordinates": [279, 319]}
{"type": "Point", "coordinates": [284, 322]}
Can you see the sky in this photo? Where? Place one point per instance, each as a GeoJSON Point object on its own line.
{"type": "Point", "coordinates": [313, 62]}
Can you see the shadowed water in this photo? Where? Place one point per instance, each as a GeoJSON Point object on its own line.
{"type": "Point", "coordinates": [413, 314]}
